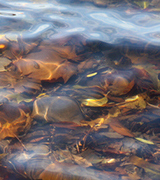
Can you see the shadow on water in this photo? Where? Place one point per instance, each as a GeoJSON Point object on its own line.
{"type": "Point", "coordinates": [80, 90]}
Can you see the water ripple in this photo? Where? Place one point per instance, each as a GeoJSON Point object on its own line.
{"type": "Point", "coordinates": [57, 20]}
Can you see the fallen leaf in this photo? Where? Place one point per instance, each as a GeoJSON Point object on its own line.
{"type": "Point", "coordinates": [50, 62]}
{"type": "Point", "coordinates": [19, 98]}
{"type": "Point", "coordinates": [119, 128]}
{"type": "Point", "coordinates": [114, 112]}
{"type": "Point", "coordinates": [135, 102]}
{"type": "Point", "coordinates": [13, 121]}
{"type": "Point", "coordinates": [19, 83]}
{"type": "Point", "coordinates": [18, 47]}
{"type": "Point", "coordinates": [46, 71]}
{"type": "Point", "coordinates": [82, 161]}
{"type": "Point", "coordinates": [97, 122]}
{"type": "Point", "coordinates": [148, 167]}
{"type": "Point", "coordinates": [121, 86]}
{"type": "Point", "coordinates": [142, 4]}
{"type": "Point", "coordinates": [144, 140]}
{"type": "Point", "coordinates": [95, 102]}
{"type": "Point", "coordinates": [92, 74]}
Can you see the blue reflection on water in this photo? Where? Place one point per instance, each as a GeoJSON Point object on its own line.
{"type": "Point", "coordinates": [92, 22]}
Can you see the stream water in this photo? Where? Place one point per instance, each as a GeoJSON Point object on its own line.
{"type": "Point", "coordinates": [80, 90]}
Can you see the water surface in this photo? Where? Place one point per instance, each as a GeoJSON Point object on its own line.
{"type": "Point", "coordinates": [79, 89]}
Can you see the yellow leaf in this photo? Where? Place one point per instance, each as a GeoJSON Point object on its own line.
{"type": "Point", "coordinates": [92, 74]}
{"type": "Point", "coordinates": [142, 4]}
{"type": "Point", "coordinates": [13, 121]}
{"type": "Point", "coordinates": [135, 102]}
{"type": "Point", "coordinates": [18, 97]}
{"type": "Point", "coordinates": [96, 122]}
{"type": "Point", "coordinates": [42, 95]}
{"type": "Point", "coordinates": [80, 87]}
{"type": "Point", "coordinates": [95, 102]}
{"type": "Point", "coordinates": [114, 112]}
{"type": "Point", "coordinates": [134, 98]}
{"type": "Point", "coordinates": [2, 46]}
{"type": "Point", "coordinates": [144, 140]}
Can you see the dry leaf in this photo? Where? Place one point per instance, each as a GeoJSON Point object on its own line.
{"type": "Point", "coordinates": [121, 86]}
{"type": "Point", "coordinates": [116, 126]}
{"type": "Point", "coordinates": [82, 161]}
{"type": "Point", "coordinates": [19, 98]}
{"type": "Point", "coordinates": [18, 47]}
{"type": "Point", "coordinates": [46, 71]}
{"type": "Point", "coordinates": [50, 62]}
{"type": "Point", "coordinates": [95, 102]}
{"type": "Point", "coordinates": [142, 4]}
{"type": "Point", "coordinates": [92, 74]}
{"type": "Point", "coordinates": [13, 121]}
{"type": "Point", "coordinates": [19, 83]}
{"type": "Point", "coordinates": [148, 167]}
{"type": "Point", "coordinates": [135, 102]}
{"type": "Point", "coordinates": [114, 112]}
{"type": "Point", "coordinates": [144, 140]}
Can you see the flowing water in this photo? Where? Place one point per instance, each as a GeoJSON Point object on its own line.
{"type": "Point", "coordinates": [80, 89]}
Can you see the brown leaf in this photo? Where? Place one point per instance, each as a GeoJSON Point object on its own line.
{"type": "Point", "coordinates": [46, 70]}
{"type": "Point", "coordinates": [81, 161]}
{"type": "Point", "coordinates": [148, 167]}
{"type": "Point", "coordinates": [13, 121]}
{"type": "Point", "coordinates": [51, 62]}
{"type": "Point", "coordinates": [70, 47]}
{"type": "Point", "coordinates": [121, 86]}
{"type": "Point", "coordinates": [19, 83]}
{"type": "Point", "coordinates": [18, 47]}
{"type": "Point", "coordinates": [119, 128]}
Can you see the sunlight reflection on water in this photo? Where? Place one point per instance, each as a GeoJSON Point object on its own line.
{"type": "Point", "coordinates": [126, 25]}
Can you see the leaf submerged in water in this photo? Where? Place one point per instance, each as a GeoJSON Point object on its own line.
{"type": "Point", "coordinates": [150, 168]}
{"type": "Point", "coordinates": [142, 4]}
{"type": "Point", "coordinates": [144, 140]}
{"type": "Point", "coordinates": [95, 102]}
{"type": "Point", "coordinates": [119, 128]}
{"type": "Point", "coordinates": [121, 86]}
{"type": "Point", "coordinates": [19, 98]}
{"type": "Point", "coordinates": [13, 121]}
{"type": "Point", "coordinates": [92, 74]}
